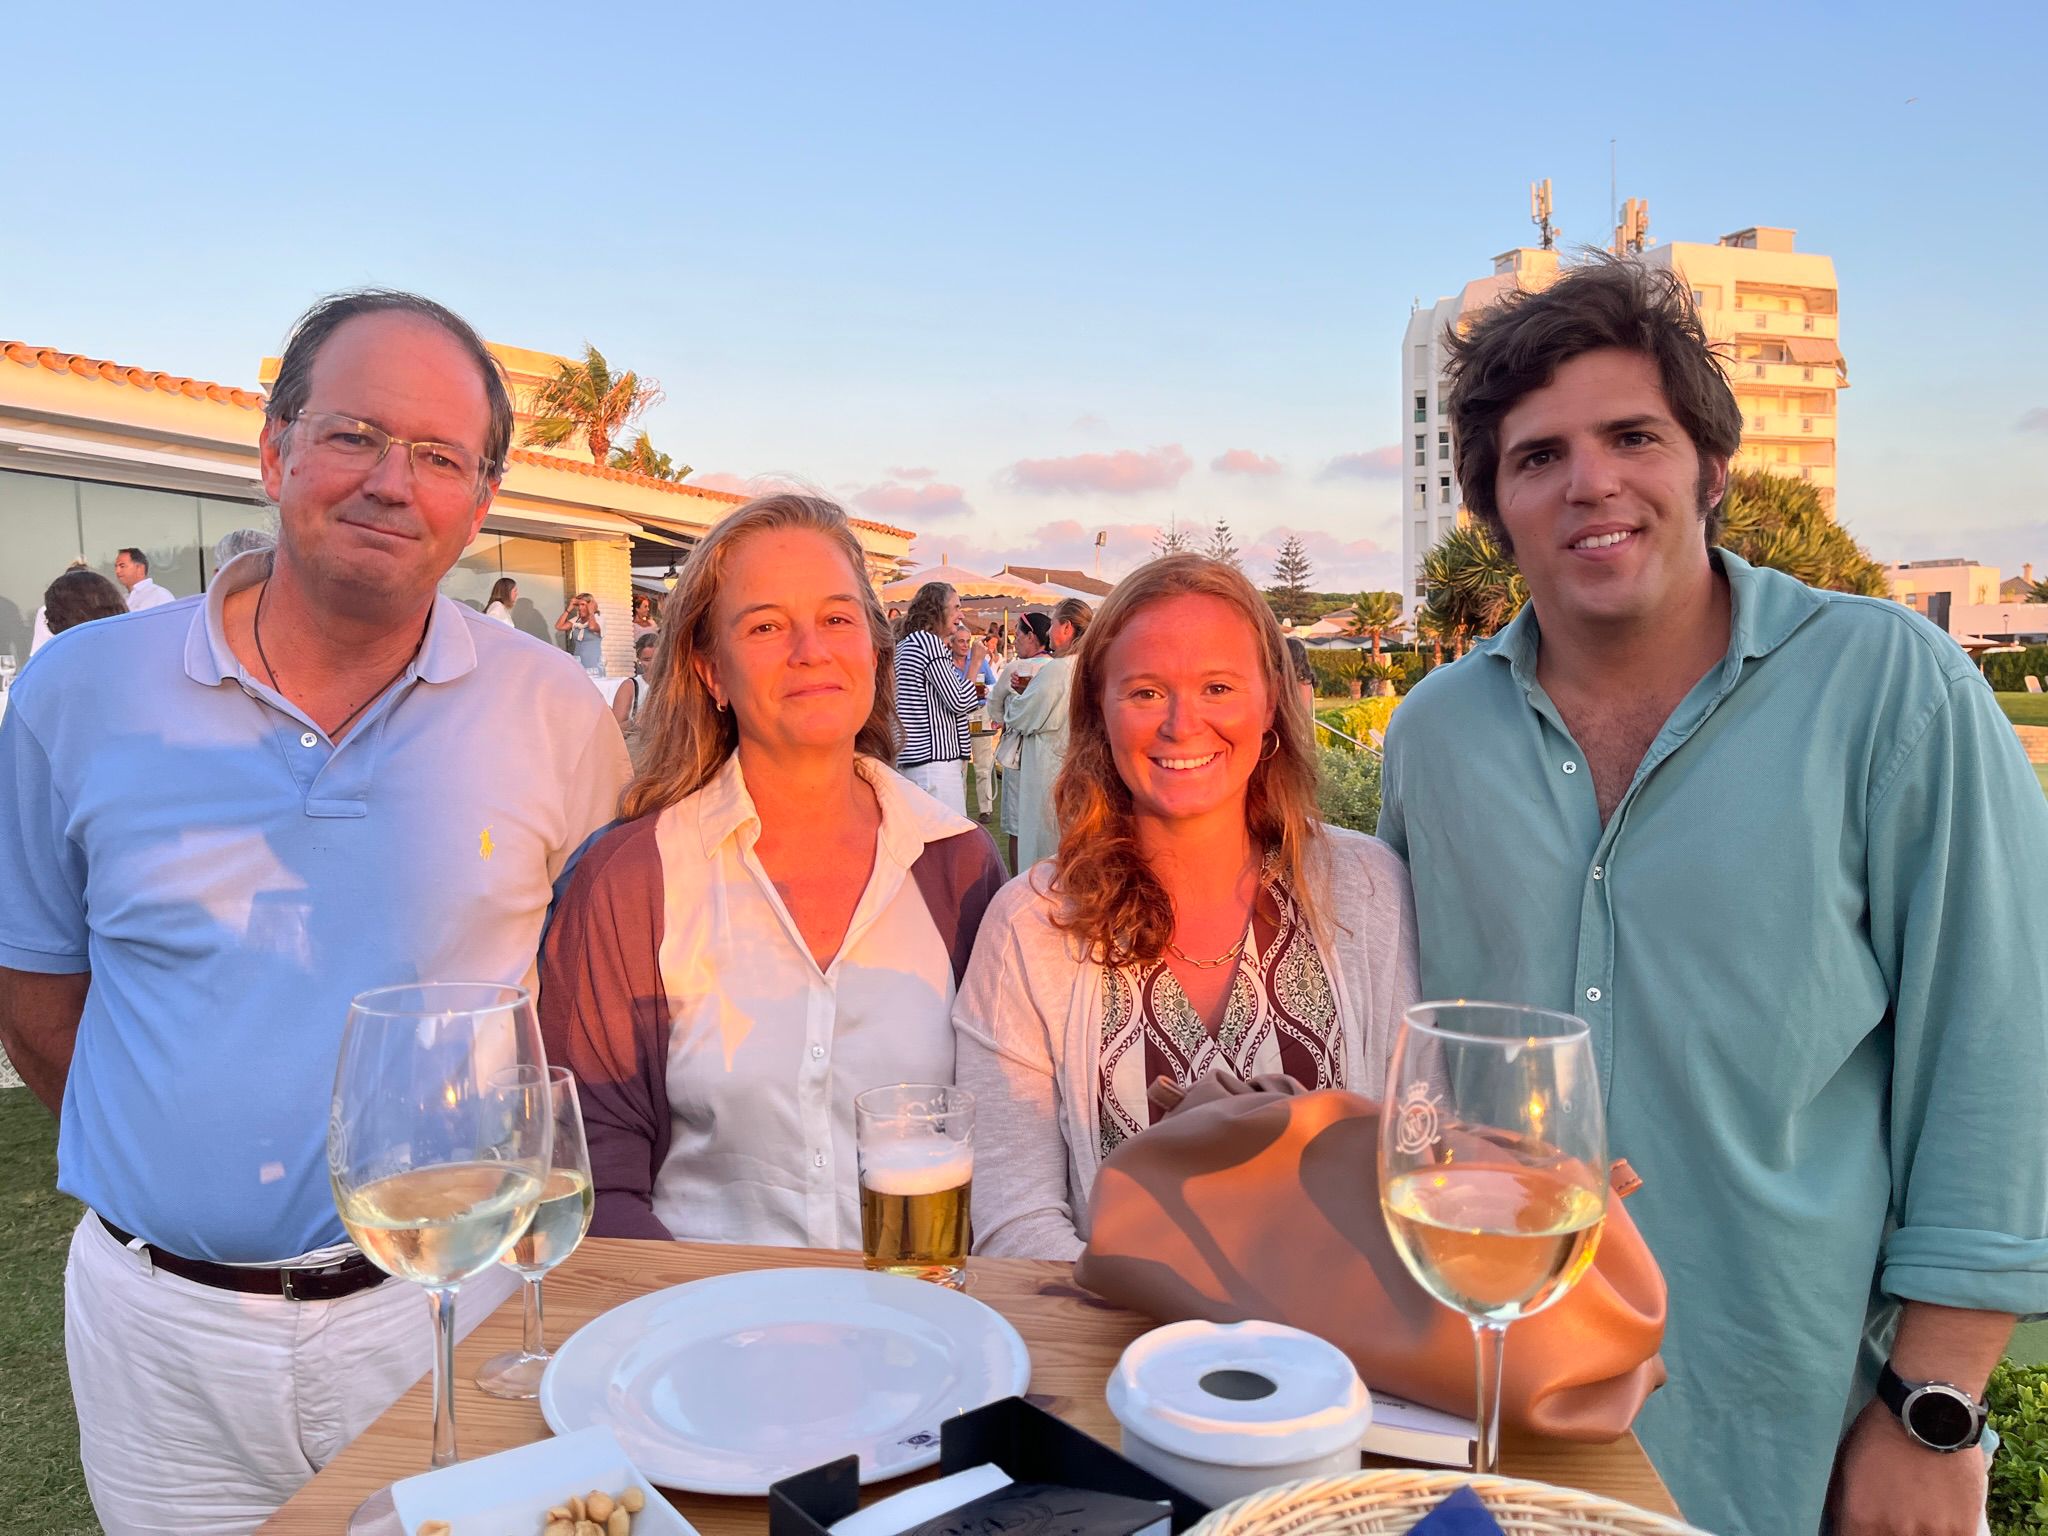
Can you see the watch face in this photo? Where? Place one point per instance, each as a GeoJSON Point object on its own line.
{"type": "Point", "coordinates": [1941, 1419]}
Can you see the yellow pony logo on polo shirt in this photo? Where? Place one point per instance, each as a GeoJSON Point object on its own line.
{"type": "Point", "coordinates": [484, 845]}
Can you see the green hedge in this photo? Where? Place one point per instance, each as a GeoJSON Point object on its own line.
{"type": "Point", "coordinates": [1356, 719]}
{"type": "Point", "coordinates": [1348, 788]}
{"type": "Point", "coordinates": [1334, 668]}
{"type": "Point", "coordinates": [2008, 673]}
{"type": "Point", "coordinates": [2018, 1400]}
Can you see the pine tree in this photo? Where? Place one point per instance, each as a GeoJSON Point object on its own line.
{"type": "Point", "coordinates": [1169, 540]}
{"type": "Point", "coordinates": [1223, 547]}
{"type": "Point", "coordinates": [1291, 576]}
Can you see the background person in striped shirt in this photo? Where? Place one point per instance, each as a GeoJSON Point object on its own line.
{"type": "Point", "coordinates": [935, 697]}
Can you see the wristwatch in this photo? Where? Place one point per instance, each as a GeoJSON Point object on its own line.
{"type": "Point", "coordinates": [1937, 1414]}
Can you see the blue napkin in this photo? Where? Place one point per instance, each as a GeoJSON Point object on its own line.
{"type": "Point", "coordinates": [1459, 1515]}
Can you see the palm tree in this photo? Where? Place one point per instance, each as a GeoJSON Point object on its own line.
{"type": "Point", "coordinates": [2037, 593]}
{"type": "Point", "coordinates": [1429, 626]}
{"type": "Point", "coordinates": [1474, 585]}
{"type": "Point", "coordinates": [1776, 521]}
{"type": "Point", "coordinates": [643, 458]}
{"type": "Point", "coordinates": [1376, 615]}
{"type": "Point", "coordinates": [587, 397]}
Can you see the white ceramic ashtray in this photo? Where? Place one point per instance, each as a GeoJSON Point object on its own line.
{"type": "Point", "coordinates": [510, 1494]}
{"type": "Point", "coordinates": [1221, 1410]}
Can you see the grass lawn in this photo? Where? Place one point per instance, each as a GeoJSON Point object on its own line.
{"type": "Point", "coordinates": [41, 1487]}
{"type": "Point", "coordinates": [2025, 708]}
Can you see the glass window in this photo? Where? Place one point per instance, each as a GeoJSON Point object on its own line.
{"type": "Point", "coordinates": [1443, 489]}
{"type": "Point", "coordinates": [38, 538]}
{"type": "Point", "coordinates": [218, 517]}
{"type": "Point", "coordinates": [537, 565]}
{"type": "Point", "coordinates": [1443, 445]}
{"type": "Point", "coordinates": [164, 525]}
{"type": "Point", "coordinates": [1419, 455]}
{"type": "Point", "coordinates": [1421, 495]}
{"type": "Point", "coordinates": [1421, 407]}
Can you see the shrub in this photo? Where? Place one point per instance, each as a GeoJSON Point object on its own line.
{"type": "Point", "coordinates": [1334, 668]}
{"type": "Point", "coordinates": [1366, 715]}
{"type": "Point", "coordinates": [2018, 1400]}
{"type": "Point", "coordinates": [2007, 673]}
{"type": "Point", "coordinates": [1348, 787]}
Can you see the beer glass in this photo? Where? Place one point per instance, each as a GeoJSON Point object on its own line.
{"type": "Point", "coordinates": [914, 1143]}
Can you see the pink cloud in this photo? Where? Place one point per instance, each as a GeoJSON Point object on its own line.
{"type": "Point", "coordinates": [1242, 461]}
{"type": "Point", "coordinates": [910, 474]}
{"type": "Point", "coordinates": [1127, 472]}
{"type": "Point", "coordinates": [2035, 420]}
{"type": "Point", "coordinates": [1370, 464]}
{"type": "Point", "coordinates": [894, 499]}
{"type": "Point", "coordinates": [718, 480]}
{"type": "Point", "coordinates": [1090, 423]}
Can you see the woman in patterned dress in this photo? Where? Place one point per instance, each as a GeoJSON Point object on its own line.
{"type": "Point", "coordinates": [1198, 914]}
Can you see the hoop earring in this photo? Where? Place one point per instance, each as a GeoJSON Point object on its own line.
{"type": "Point", "coordinates": [1266, 755]}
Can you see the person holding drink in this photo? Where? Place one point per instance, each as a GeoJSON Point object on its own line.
{"type": "Point", "coordinates": [1198, 913]}
{"type": "Point", "coordinates": [296, 812]}
{"type": "Point", "coordinates": [781, 919]}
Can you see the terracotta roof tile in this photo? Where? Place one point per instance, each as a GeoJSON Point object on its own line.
{"type": "Point", "coordinates": [31, 356]}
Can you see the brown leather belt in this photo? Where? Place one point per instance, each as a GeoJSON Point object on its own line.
{"type": "Point", "coordinates": [326, 1282]}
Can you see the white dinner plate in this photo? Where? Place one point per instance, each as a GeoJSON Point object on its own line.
{"type": "Point", "coordinates": [729, 1384]}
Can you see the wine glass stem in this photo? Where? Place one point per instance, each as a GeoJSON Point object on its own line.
{"type": "Point", "coordinates": [443, 1302]}
{"type": "Point", "coordinates": [535, 1343]}
{"type": "Point", "coordinates": [1490, 1342]}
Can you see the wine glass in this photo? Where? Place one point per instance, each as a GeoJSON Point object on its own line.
{"type": "Point", "coordinates": [1493, 1169]}
{"type": "Point", "coordinates": [438, 1144]}
{"type": "Point", "coordinates": [558, 1226]}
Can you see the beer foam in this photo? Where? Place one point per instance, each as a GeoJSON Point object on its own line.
{"type": "Point", "coordinates": [927, 1166]}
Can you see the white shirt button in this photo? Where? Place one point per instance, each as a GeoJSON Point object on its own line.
{"type": "Point", "coordinates": [1592, 994]}
{"type": "Point", "coordinates": [817, 1053]}
{"type": "Point", "coordinates": [309, 740]}
{"type": "Point", "coordinates": [1571, 767]}
{"type": "Point", "coordinates": [1598, 872]}
{"type": "Point", "coordinates": [818, 1160]}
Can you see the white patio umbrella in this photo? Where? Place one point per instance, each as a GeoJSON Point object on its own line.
{"type": "Point", "coordinates": [968, 584]}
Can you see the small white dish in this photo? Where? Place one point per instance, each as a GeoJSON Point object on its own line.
{"type": "Point", "coordinates": [729, 1384]}
{"type": "Point", "coordinates": [510, 1494]}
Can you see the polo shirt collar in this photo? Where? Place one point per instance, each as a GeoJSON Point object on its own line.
{"type": "Point", "coordinates": [910, 818]}
{"type": "Point", "coordinates": [1765, 608]}
{"type": "Point", "coordinates": [447, 653]}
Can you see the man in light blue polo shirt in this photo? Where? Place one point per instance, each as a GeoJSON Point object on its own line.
{"type": "Point", "coordinates": [1782, 852]}
{"type": "Point", "coordinates": [222, 818]}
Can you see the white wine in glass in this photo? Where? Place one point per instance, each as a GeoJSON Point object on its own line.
{"type": "Point", "coordinates": [563, 1216]}
{"type": "Point", "coordinates": [438, 1145]}
{"type": "Point", "coordinates": [1493, 1169]}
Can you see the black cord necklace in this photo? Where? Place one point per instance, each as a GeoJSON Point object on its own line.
{"type": "Point", "coordinates": [256, 625]}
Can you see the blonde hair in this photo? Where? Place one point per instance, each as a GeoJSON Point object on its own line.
{"type": "Point", "coordinates": [687, 736]}
{"type": "Point", "coordinates": [1072, 610]}
{"type": "Point", "coordinates": [1106, 892]}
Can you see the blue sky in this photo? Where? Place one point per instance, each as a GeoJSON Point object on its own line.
{"type": "Point", "coordinates": [1012, 274]}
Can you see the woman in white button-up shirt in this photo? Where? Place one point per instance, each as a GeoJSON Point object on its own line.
{"type": "Point", "coordinates": [779, 922]}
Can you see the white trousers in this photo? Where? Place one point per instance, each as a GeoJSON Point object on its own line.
{"type": "Point", "coordinates": [201, 1410]}
{"type": "Point", "coordinates": [944, 782]}
{"type": "Point", "coordinates": [985, 773]}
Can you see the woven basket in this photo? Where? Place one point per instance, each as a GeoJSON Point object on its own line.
{"type": "Point", "coordinates": [1390, 1503]}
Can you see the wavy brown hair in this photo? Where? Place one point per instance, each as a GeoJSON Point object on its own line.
{"type": "Point", "coordinates": [927, 610]}
{"type": "Point", "coordinates": [687, 736]}
{"type": "Point", "coordinates": [1104, 889]}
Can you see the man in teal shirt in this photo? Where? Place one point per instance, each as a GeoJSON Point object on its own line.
{"type": "Point", "coordinates": [1782, 852]}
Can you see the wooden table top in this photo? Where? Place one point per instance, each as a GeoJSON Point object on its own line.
{"type": "Point", "coordinates": [1074, 1337]}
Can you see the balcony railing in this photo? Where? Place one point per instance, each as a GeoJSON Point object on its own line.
{"type": "Point", "coordinates": [1776, 322]}
{"type": "Point", "coordinates": [1774, 424]}
{"type": "Point", "coordinates": [1808, 375]}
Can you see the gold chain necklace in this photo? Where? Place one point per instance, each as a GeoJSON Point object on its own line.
{"type": "Point", "coordinates": [1225, 958]}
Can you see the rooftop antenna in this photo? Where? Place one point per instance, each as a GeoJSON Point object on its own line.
{"type": "Point", "coordinates": [1539, 212]}
{"type": "Point", "coordinates": [1101, 538]}
{"type": "Point", "coordinates": [1633, 232]}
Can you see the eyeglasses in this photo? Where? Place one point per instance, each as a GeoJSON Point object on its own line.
{"type": "Point", "coordinates": [438, 468]}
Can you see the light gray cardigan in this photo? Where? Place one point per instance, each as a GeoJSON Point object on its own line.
{"type": "Point", "coordinates": [1028, 1029]}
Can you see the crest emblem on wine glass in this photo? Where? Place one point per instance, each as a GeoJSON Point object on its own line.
{"type": "Point", "coordinates": [1417, 1127]}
